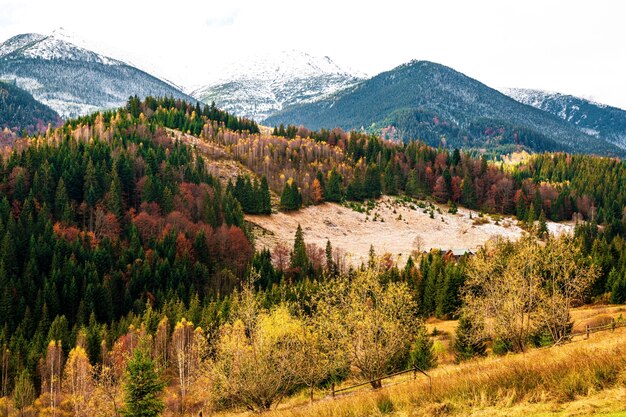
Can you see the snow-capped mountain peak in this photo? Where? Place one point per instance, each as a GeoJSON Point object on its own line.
{"type": "Point", "coordinates": [261, 84]}
{"type": "Point", "coordinates": [62, 71]}
{"type": "Point", "coordinates": [590, 117]}
{"type": "Point", "coordinates": [276, 66]}
{"type": "Point", "coordinates": [55, 46]}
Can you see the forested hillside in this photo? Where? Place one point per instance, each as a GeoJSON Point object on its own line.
{"type": "Point", "coordinates": [443, 107]}
{"type": "Point", "coordinates": [21, 113]}
{"type": "Point", "coordinates": [121, 256]}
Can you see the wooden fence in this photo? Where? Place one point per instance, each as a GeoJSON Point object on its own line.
{"type": "Point", "coordinates": [372, 382]}
{"type": "Point", "coordinates": [614, 324]}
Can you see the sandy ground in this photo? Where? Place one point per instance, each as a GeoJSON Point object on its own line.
{"type": "Point", "coordinates": [394, 230]}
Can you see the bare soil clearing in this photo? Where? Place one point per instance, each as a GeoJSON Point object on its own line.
{"type": "Point", "coordinates": [393, 225]}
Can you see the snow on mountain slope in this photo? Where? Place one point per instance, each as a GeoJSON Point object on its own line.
{"type": "Point", "coordinates": [50, 47]}
{"type": "Point", "coordinates": [595, 119]}
{"type": "Point", "coordinates": [72, 79]}
{"type": "Point", "coordinates": [262, 84]}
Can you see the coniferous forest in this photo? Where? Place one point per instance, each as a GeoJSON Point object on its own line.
{"type": "Point", "coordinates": [126, 267]}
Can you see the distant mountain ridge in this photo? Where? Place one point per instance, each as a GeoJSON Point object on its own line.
{"type": "Point", "coordinates": [73, 80]}
{"type": "Point", "coordinates": [595, 119]}
{"type": "Point", "coordinates": [263, 84]}
{"type": "Point", "coordinates": [432, 102]}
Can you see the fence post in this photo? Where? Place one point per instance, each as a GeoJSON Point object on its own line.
{"type": "Point", "coordinates": [587, 332]}
{"type": "Point", "coordinates": [332, 389]}
{"type": "Point", "coordinates": [612, 325]}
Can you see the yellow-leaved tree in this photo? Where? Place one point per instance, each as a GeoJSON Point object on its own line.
{"type": "Point", "coordinates": [373, 323]}
{"type": "Point", "coordinates": [516, 290]}
{"type": "Point", "coordinates": [252, 364]}
{"type": "Point", "coordinates": [78, 381]}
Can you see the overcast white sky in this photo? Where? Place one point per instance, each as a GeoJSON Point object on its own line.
{"type": "Point", "coordinates": [576, 47]}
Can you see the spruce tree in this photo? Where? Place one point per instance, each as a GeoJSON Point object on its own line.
{"type": "Point", "coordinates": [24, 392]}
{"type": "Point", "coordinates": [331, 267]}
{"type": "Point", "coordinates": [412, 187]}
{"type": "Point", "coordinates": [465, 345]}
{"type": "Point", "coordinates": [391, 187]}
{"type": "Point", "coordinates": [332, 190]}
{"type": "Point", "coordinates": [266, 199]}
{"type": "Point", "coordinates": [290, 199]}
{"type": "Point", "coordinates": [618, 290]}
{"type": "Point", "coordinates": [530, 215]}
{"type": "Point", "coordinates": [421, 354]}
{"type": "Point", "coordinates": [372, 186]}
{"type": "Point", "coordinates": [114, 198]}
{"type": "Point", "coordinates": [468, 194]}
{"type": "Point", "coordinates": [299, 260]}
{"type": "Point", "coordinates": [456, 157]}
{"type": "Point", "coordinates": [143, 388]}
{"type": "Point", "coordinates": [320, 178]}
{"type": "Point", "coordinates": [520, 210]}
{"type": "Point", "coordinates": [296, 195]}
{"type": "Point", "coordinates": [167, 203]}
{"type": "Point", "coordinates": [61, 200]}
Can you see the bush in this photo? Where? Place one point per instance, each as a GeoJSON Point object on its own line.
{"type": "Point", "coordinates": [501, 347]}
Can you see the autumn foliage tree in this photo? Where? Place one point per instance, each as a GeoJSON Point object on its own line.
{"type": "Point", "coordinates": [374, 324]}
{"type": "Point", "coordinates": [78, 381]}
{"type": "Point", "coordinates": [514, 290]}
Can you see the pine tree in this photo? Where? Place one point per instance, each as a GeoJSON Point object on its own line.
{"type": "Point", "coordinates": [290, 199]}
{"type": "Point", "coordinates": [421, 354]}
{"type": "Point", "coordinates": [332, 191]}
{"type": "Point", "coordinates": [61, 201]}
{"type": "Point", "coordinates": [465, 347]}
{"type": "Point", "coordinates": [299, 260]}
{"type": "Point", "coordinates": [372, 186]}
{"type": "Point", "coordinates": [143, 388]}
{"type": "Point", "coordinates": [266, 199]}
{"type": "Point", "coordinates": [520, 210]}
{"type": "Point", "coordinates": [467, 192]}
{"type": "Point", "coordinates": [330, 267]}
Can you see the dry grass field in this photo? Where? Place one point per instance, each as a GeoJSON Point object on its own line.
{"type": "Point", "coordinates": [390, 226]}
{"type": "Point", "coordinates": [582, 378]}
{"type": "Point", "coordinates": [393, 225]}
